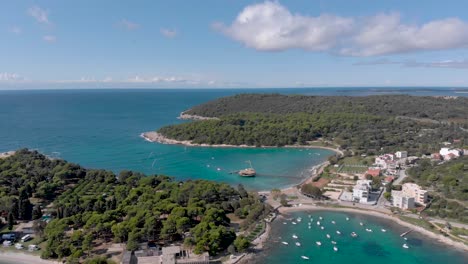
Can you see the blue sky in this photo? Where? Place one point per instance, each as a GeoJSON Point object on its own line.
{"type": "Point", "coordinates": [232, 43]}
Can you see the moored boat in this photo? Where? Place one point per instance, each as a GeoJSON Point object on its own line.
{"type": "Point", "coordinates": [248, 172]}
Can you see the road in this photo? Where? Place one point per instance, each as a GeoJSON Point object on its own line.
{"type": "Point", "coordinates": [402, 175]}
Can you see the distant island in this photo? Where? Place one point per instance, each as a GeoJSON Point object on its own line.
{"type": "Point", "coordinates": [361, 125]}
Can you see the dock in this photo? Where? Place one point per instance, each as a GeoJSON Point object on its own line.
{"type": "Point", "coordinates": [405, 233]}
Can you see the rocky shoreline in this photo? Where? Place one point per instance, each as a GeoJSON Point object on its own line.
{"type": "Point", "coordinates": [185, 116]}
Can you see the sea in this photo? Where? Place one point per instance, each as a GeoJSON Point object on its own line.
{"type": "Point", "coordinates": [101, 129]}
{"type": "Point", "coordinates": [367, 248]}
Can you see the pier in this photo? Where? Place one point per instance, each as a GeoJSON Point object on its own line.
{"type": "Point", "coordinates": [407, 232]}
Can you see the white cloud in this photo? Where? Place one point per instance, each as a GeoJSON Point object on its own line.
{"type": "Point", "coordinates": [49, 38]}
{"type": "Point", "coordinates": [129, 25]}
{"type": "Point", "coordinates": [15, 30]}
{"type": "Point", "coordinates": [39, 14]}
{"type": "Point", "coordinates": [168, 33]}
{"type": "Point", "coordinates": [10, 77]}
{"type": "Point", "coordinates": [269, 26]}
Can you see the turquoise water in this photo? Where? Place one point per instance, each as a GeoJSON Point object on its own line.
{"type": "Point", "coordinates": [367, 248]}
{"type": "Point", "coordinates": [101, 129]}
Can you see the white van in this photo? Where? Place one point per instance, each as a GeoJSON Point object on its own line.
{"type": "Point", "coordinates": [26, 238]}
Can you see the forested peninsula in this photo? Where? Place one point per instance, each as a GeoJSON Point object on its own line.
{"type": "Point", "coordinates": [363, 125]}
{"type": "Point", "coordinates": [90, 209]}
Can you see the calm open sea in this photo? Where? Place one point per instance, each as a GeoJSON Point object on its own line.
{"type": "Point", "coordinates": [101, 128]}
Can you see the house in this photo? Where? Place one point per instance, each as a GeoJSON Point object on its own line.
{"type": "Point", "coordinates": [165, 255]}
{"type": "Point", "coordinates": [401, 154]}
{"type": "Point", "coordinates": [386, 161]}
{"type": "Point", "coordinates": [436, 156]}
{"type": "Point", "coordinates": [388, 179]}
{"type": "Point", "coordinates": [414, 190]}
{"type": "Point", "coordinates": [361, 191]}
{"type": "Point", "coordinates": [450, 156]}
{"type": "Point", "coordinates": [374, 172]}
{"type": "Point", "coordinates": [446, 151]}
{"type": "Point", "coordinates": [400, 200]}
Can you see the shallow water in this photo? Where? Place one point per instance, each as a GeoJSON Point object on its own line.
{"type": "Point", "coordinates": [369, 247]}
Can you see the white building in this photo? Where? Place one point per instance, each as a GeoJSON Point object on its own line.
{"type": "Point", "coordinates": [415, 191]}
{"type": "Point", "coordinates": [361, 191]}
{"type": "Point", "coordinates": [401, 154]}
{"type": "Point", "coordinates": [447, 151]}
{"type": "Point", "coordinates": [401, 201]}
{"type": "Point", "coordinates": [386, 161]}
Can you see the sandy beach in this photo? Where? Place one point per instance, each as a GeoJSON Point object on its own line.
{"type": "Point", "coordinates": [23, 258]}
{"type": "Point", "coordinates": [440, 238]}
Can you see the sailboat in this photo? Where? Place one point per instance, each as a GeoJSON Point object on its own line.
{"type": "Point", "coordinates": [248, 172]}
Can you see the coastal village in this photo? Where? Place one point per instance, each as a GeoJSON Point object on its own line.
{"type": "Point", "coordinates": [352, 186]}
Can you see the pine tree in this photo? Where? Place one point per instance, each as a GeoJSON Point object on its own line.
{"type": "Point", "coordinates": [11, 221]}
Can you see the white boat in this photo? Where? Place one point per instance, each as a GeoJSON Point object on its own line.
{"type": "Point", "coordinates": [338, 232]}
{"type": "Point", "coordinates": [293, 223]}
{"type": "Point", "coordinates": [383, 230]}
{"type": "Point", "coordinates": [405, 246]}
{"type": "Point", "coordinates": [309, 223]}
{"type": "Point", "coordinates": [304, 257]}
{"type": "Point", "coordinates": [298, 244]}
{"type": "Point", "coordinates": [361, 223]}
{"type": "Point", "coordinates": [335, 248]}
{"type": "Point", "coordinates": [353, 234]}
{"type": "Point", "coordinates": [347, 218]}
{"type": "Point", "coordinates": [284, 223]}
{"type": "Point", "coordinates": [322, 227]}
{"type": "Point", "coordinates": [333, 222]}
{"type": "Point", "coordinates": [309, 227]}
{"type": "Point", "coordinates": [320, 218]}
{"type": "Point", "coordinates": [405, 238]}
{"type": "Point", "coordinates": [299, 219]}
{"type": "Point", "coordinates": [333, 242]}
{"type": "Point", "coordinates": [309, 216]}
{"type": "Point", "coordinates": [294, 236]}
{"type": "Point", "coordinates": [285, 243]}
{"type": "Point", "coordinates": [368, 230]}
{"type": "Point", "coordinates": [318, 243]}
{"type": "Point", "coordinates": [328, 236]}
{"type": "Point", "coordinates": [318, 222]}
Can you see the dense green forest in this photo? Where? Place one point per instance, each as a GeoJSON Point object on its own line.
{"type": "Point", "coordinates": [421, 107]}
{"type": "Point", "coordinates": [449, 182]}
{"type": "Point", "coordinates": [130, 207]}
{"type": "Point", "coordinates": [356, 130]}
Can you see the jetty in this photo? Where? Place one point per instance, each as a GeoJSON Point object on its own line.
{"type": "Point", "coordinates": [405, 233]}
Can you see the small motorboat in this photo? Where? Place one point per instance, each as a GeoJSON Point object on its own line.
{"type": "Point", "coordinates": [353, 234]}
{"type": "Point", "coordinates": [368, 230]}
{"type": "Point", "coordinates": [383, 230]}
{"type": "Point", "coordinates": [333, 222]}
{"type": "Point", "coordinates": [293, 223]}
{"type": "Point", "coordinates": [405, 238]}
{"type": "Point", "coordinates": [338, 232]}
{"type": "Point", "coordinates": [304, 257]}
{"type": "Point", "coordinates": [335, 249]}
{"type": "Point", "coordinates": [405, 246]}
{"type": "Point", "coordinates": [298, 244]}
{"type": "Point", "coordinates": [299, 219]}
{"type": "Point", "coordinates": [285, 243]}
{"type": "Point", "coordinates": [361, 223]}
{"type": "Point", "coordinates": [294, 236]}
{"type": "Point", "coordinates": [333, 242]}
{"type": "Point", "coordinates": [322, 227]}
{"type": "Point", "coordinates": [318, 222]}
{"type": "Point", "coordinates": [284, 223]}
{"type": "Point", "coordinates": [328, 236]}
{"type": "Point", "coordinates": [318, 243]}
{"type": "Point", "coordinates": [347, 218]}
{"type": "Point", "coordinates": [320, 218]}
{"type": "Point", "coordinates": [309, 227]}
